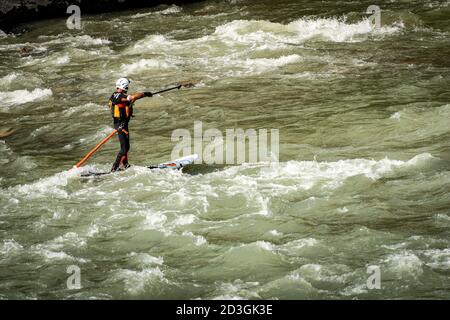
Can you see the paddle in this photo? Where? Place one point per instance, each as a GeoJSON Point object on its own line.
{"type": "Point", "coordinates": [187, 84]}
{"type": "Point", "coordinates": [82, 161]}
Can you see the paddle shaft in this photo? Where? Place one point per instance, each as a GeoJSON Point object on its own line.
{"type": "Point", "coordinates": [98, 146]}
{"type": "Point", "coordinates": [165, 90]}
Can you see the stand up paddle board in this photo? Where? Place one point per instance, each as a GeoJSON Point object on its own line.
{"type": "Point", "coordinates": [176, 164]}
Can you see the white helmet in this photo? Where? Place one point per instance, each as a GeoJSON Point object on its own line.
{"type": "Point", "coordinates": [123, 83]}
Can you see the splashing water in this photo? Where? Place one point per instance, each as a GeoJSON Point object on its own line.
{"type": "Point", "coordinates": [362, 179]}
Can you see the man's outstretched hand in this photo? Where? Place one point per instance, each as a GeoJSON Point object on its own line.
{"type": "Point", "coordinates": [148, 94]}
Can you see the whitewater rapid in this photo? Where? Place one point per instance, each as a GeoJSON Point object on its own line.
{"type": "Point", "coordinates": [362, 179]}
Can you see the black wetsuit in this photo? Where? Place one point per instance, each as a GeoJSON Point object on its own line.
{"type": "Point", "coordinates": [121, 110]}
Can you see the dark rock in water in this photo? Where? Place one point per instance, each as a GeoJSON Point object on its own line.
{"type": "Point", "coordinates": [14, 12]}
{"type": "Point", "coordinates": [25, 50]}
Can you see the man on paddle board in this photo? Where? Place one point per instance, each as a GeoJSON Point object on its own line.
{"type": "Point", "coordinates": [121, 105]}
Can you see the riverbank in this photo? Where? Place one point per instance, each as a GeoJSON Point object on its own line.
{"type": "Point", "coordinates": [13, 13]}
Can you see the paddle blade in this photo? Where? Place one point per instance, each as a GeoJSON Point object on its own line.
{"type": "Point", "coordinates": [188, 83]}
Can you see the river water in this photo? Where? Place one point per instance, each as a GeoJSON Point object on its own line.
{"type": "Point", "coordinates": [361, 185]}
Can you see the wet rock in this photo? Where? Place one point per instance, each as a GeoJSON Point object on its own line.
{"type": "Point", "coordinates": [6, 132]}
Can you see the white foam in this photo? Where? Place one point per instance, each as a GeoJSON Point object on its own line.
{"type": "Point", "coordinates": [13, 201]}
{"type": "Point", "coordinates": [311, 172]}
{"type": "Point", "coordinates": [44, 187]}
{"type": "Point", "coordinates": [173, 9]}
{"type": "Point", "coordinates": [153, 220]}
{"type": "Point", "coordinates": [277, 35]}
{"type": "Point", "coordinates": [236, 66]}
{"type": "Point", "coordinates": [258, 66]}
{"type": "Point", "coordinates": [396, 116]}
{"type": "Point", "coordinates": [441, 216]}
{"type": "Point", "coordinates": [52, 255]}
{"type": "Point", "coordinates": [144, 259]}
{"type": "Point", "coordinates": [228, 51]}
{"type": "Point", "coordinates": [198, 240]}
{"type": "Point", "coordinates": [93, 230]}
{"type": "Point", "coordinates": [330, 29]}
{"type": "Point", "coordinates": [236, 290]}
{"type": "Point", "coordinates": [150, 43]}
{"type": "Point", "coordinates": [77, 41]}
{"type": "Point", "coordinates": [299, 244]}
{"type": "Point", "coordinates": [19, 97]}
{"type": "Point", "coordinates": [41, 130]}
{"type": "Point", "coordinates": [55, 59]}
{"type": "Point", "coordinates": [395, 247]}
{"type": "Point", "coordinates": [276, 233]}
{"type": "Point", "coordinates": [62, 60]}
{"type": "Point", "coordinates": [268, 180]}
{"type": "Point", "coordinates": [89, 108]}
{"type": "Point", "coordinates": [144, 65]}
{"type": "Point", "coordinates": [295, 280]}
{"type": "Point", "coordinates": [10, 247]}
{"type": "Point", "coordinates": [228, 297]}
{"type": "Point", "coordinates": [244, 36]}
{"type": "Point", "coordinates": [329, 273]}
{"type": "Point", "coordinates": [342, 210]}
{"type": "Point", "coordinates": [264, 180]}
{"type": "Point", "coordinates": [183, 220]}
{"type": "Point", "coordinates": [68, 239]}
{"type": "Point", "coordinates": [68, 147]}
{"type": "Point", "coordinates": [136, 282]}
{"type": "Point", "coordinates": [141, 15]}
{"type": "Point", "coordinates": [439, 258]}
{"type": "Point", "coordinates": [9, 78]}
{"type": "Point", "coordinates": [404, 263]}
{"type": "Point", "coordinates": [264, 203]}
{"type": "Point", "coordinates": [356, 289]}
{"type": "Point", "coordinates": [265, 245]}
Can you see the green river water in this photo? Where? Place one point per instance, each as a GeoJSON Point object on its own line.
{"type": "Point", "coordinates": [362, 181]}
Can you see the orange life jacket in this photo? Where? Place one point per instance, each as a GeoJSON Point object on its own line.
{"type": "Point", "coordinates": [120, 110]}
